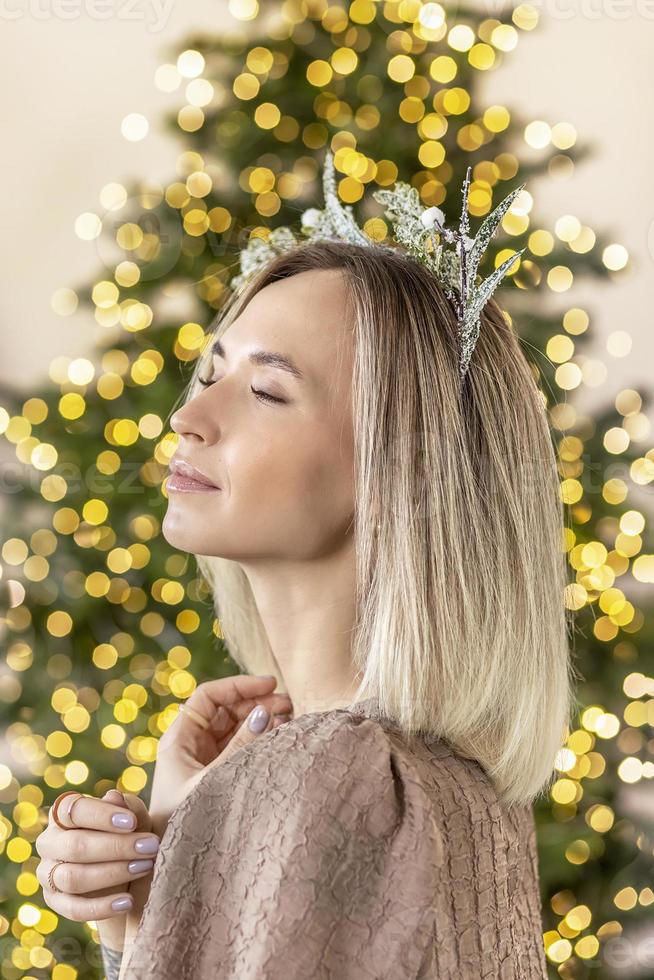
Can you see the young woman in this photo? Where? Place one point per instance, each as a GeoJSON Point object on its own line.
{"type": "Point", "coordinates": [386, 540]}
{"type": "Point", "coordinates": [388, 543]}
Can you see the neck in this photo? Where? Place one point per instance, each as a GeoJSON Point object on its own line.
{"type": "Point", "coordinates": [308, 609]}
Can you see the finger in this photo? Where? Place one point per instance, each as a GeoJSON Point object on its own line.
{"type": "Point", "coordinates": [280, 720]}
{"type": "Point", "coordinates": [88, 812]}
{"type": "Point", "coordinates": [140, 810]}
{"type": "Point", "coordinates": [77, 879]}
{"type": "Point", "coordinates": [227, 692]}
{"type": "Point", "coordinates": [244, 736]}
{"type": "Point", "coordinates": [276, 704]}
{"type": "Point", "coordinates": [91, 846]}
{"type": "Point", "coordinates": [114, 796]}
{"type": "Point", "coordinates": [222, 719]}
{"type": "Point", "coordinates": [134, 803]}
{"type": "Point", "coordinates": [80, 909]}
{"type": "Point", "coordinates": [257, 723]}
{"type": "Point", "coordinates": [226, 719]}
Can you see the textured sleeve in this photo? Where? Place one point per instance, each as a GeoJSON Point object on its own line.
{"type": "Point", "coordinates": [310, 853]}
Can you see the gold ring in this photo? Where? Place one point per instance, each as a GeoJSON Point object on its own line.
{"type": "Point", "coordinates": [55, 807]}
{"type": "Point", "coordinates": [194, 715]}
{"type": "Point", "coordinates": [51, 876]}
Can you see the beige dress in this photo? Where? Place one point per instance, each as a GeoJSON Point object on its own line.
{"type": "Point", "coordinates": [327, 848]}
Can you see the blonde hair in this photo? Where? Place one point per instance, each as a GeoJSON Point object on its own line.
{"type": "Point", "coordinates": [461, 628]}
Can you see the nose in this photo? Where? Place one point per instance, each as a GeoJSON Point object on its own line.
{"type": "Point", "coordinates": [193, 421]}
{"type": "Point", "coordinates": [178, 423]}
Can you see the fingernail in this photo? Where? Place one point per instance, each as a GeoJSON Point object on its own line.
{"type": "Point", "coordinates": [122, 904]}
{"type": "Point", "coordinates": [147, 845]}
{"type": "Point", "coordinates": [282, 719]}
{"type": "Point", "coordinates": [258, 719]}
{"type": "Point", "coordinates": [126, 821]}
{"type": "Point", "coordinates": [135, 867]}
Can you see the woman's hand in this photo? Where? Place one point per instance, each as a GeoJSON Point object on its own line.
{"type": "Point", "coordinates": [189, 747]}
{"type": "Point", "coordinates": [97, 856]}
{"type": "Point", "coordinates": [208, 728]}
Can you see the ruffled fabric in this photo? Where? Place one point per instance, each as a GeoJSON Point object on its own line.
{"type": "Point", "coordinates": [327, 848]}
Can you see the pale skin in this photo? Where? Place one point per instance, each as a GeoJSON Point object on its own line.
{"type": "Point", "coordinates": [286, 506]}
{"type": "Point", "coordinates": [285, 513]}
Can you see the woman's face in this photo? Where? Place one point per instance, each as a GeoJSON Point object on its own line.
{"type": "Point", "coordinates": [284, 469]}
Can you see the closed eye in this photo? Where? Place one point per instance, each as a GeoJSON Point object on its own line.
{"type": "Point", "coordinates": [261, 395]}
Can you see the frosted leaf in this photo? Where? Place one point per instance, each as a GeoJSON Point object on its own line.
{"type": "Point", "coordinates": [450, 254]}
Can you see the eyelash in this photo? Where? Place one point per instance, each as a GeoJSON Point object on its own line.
{"type": "Point", "coordinates": [262, 395]}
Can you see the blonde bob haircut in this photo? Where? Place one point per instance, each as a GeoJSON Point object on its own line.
{"type": "Point", "coordinates": [461, 629]}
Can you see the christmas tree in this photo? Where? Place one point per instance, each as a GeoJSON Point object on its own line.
{"type": "Point", "coordinates": [105, 628]}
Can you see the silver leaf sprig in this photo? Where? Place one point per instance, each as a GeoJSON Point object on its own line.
{"type": "Point", "coordinates": [450, 254]}
{"type": "Point", "coordinates": [456, 266]}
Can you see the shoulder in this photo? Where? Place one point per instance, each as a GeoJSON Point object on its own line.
{"type": "Point", "coordinates": [320, 757]}
{"type": "Point", "coordinates": [326, 773]}
{"type": "Point", "coordinates": [314, 747]}
{"type": "Point", "coordinates": [333, 745]}
{"type": "Point", "coordinates": [313, 844]}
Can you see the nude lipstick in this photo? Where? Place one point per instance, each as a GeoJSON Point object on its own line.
{"type": "Point", "coordinates": [187, 479]}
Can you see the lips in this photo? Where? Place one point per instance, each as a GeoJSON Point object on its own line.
{"type": "Point", "coordinates": [184, 476]}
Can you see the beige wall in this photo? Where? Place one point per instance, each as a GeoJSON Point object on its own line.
{"type": "Point", "coordinates": [68, 83]}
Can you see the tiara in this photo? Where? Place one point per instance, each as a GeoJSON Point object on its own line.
{"type": "Point", "coordinates": [450, 254]}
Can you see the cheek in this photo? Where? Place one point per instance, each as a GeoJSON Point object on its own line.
{"type": "Point", "coordinates": [288, 494]}
{"type": "Point", "coordinates": [296, 473]}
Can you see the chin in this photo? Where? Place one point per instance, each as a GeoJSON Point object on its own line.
{"type": "Point", "coordinates": [178, 534]}
{"type": "Point", "coordinates": [186, 535]}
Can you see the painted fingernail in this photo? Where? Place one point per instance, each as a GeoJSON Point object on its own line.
{"type": "Point", "coordinates": [122, 904]}
{"type": "Point", "coordinates": [258, 719]}
{"type": "Point", "coordinates": [147, 845]}
{"type": "Point", "coordinates": [135, 867]}
{"type": "Point", "coordinates": [126, 821]}
{"type": "Point", "coordinates": [282, 719]}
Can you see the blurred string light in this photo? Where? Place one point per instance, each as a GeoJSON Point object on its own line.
{"type": "Point", "coordinates": [134, 127]}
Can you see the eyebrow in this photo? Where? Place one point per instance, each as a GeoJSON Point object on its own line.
{"type": "Point", "coordinates": [266, 357]}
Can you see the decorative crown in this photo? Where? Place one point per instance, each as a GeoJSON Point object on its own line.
{"type": "Point", "coordinates": [451, 255]}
